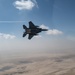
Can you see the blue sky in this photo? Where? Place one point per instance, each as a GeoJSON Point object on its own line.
{"type": "Point", "coordinates": [56, 15]}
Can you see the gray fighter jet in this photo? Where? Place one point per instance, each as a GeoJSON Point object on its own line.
{"type": "Point", "coordinates": [32, 30]}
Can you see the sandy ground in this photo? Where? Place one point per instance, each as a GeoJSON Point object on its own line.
{"type": "Point", "coordinates": [39, 64]}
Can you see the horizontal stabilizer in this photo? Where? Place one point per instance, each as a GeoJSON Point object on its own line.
{"type": "Point", "coordinates": [24, 27]}
{"type": "Point", "coordinates": [24, 34]}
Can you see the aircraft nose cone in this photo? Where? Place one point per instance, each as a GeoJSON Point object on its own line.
{"type": "Point", "coordinates": [44, 29]}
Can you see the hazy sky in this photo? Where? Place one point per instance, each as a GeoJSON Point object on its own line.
{"type": "Point", "coordinates": [56, 15]}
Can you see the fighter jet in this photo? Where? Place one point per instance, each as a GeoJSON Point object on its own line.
{"type": "Point", "coordinates": [32, 30]}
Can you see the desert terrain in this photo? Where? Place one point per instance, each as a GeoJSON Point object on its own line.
{"type": "Point", "coordinates": [38, 64]}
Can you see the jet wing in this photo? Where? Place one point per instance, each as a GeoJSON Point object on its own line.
{"type": "Point", "coordinates": [30, 36]}
{"type": "Point", "coordinates": [31, 25]}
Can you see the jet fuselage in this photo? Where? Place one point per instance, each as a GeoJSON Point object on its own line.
{"type": "Point", "coordinates": [33, 31]}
